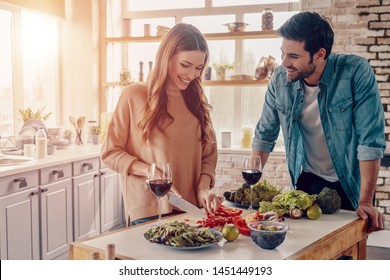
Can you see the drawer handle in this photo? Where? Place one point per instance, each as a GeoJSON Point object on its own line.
{"type": "Point", "coordinates": [59, 173]}
{"type": "Point", "coordinates": [34, 193]}
{"type": "Point", "coordinates": [22, 182]}
{"type": "Point", "coordinates": [88, 164]}
{"type": "Point", "coordinates": [99, 174]}
{"type": "Point", "coordinates": [41, 190]}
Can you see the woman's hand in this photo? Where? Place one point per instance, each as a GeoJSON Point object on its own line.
{"type": "Point", "coordinates": [375, 219]}
{"type": "Point", "coordinates": [209, 201]}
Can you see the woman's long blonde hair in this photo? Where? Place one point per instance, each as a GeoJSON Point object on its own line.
{"type": "Point", "coordinates": [182, 37]}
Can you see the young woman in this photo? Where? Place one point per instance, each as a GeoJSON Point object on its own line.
{"type": "Point", "coordinates": [168, 119]}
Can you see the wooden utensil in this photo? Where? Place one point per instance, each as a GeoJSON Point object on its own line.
{"type": "Point", "coordinates": [73, 121]}
{"type": "Point", "coordinates": [80, 123]}
{"type": "Point", "coordinates": [79, 127]}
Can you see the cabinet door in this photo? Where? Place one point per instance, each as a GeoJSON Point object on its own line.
{"type": "Point", "coordinates": [19, 225]}
{"type": "Point", "coordinates": [56, 217]}
{"type": "Point", "coordinates": [111, 200]}
{"type": "Point", "coordinates": [86, 205]}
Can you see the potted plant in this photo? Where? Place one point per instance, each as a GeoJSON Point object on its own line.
{"type": "Point", "coordinates": [220, 70]}
{"type": "Point", "coordinates": [95, 132]}
{"type": "Point", "coordinates": [28, 114]}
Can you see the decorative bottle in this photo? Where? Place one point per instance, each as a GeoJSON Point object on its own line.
{"type": "Point", "coordinates": [41, 143]}
{"type": "Point", "coordinates": [267, 19]}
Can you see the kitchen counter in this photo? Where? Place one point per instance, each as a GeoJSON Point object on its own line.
{"type": "Point", "coordinates": [70, 154]}
{"type": "Point", "coordinates": [329, 237]}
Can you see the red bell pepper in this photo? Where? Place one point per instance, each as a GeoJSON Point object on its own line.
{"type": "Point", "coordinates": [240, 223]}
{"type": "Point", "coordinates": [229, 211]}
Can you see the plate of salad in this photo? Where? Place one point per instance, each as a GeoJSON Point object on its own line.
{"type": "Point", "coordinates": [182, 236]}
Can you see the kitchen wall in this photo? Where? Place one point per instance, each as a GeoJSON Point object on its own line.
{"type": "Point", "coordinates": [80, 61]}
{"type": "Point", "coordinates": [361, 27]}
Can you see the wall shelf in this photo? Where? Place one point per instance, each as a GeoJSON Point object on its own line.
{"type": "Point", "coordinates": [265, 34]}
{"type": "Point", "coordinates": [208, 83]}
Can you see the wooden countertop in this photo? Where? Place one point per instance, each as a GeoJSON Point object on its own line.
{"type": "Point", "coordinates": [329, 237]}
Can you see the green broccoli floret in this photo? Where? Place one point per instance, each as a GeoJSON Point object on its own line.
{"type": "Point", "coordinates": [329, 200]}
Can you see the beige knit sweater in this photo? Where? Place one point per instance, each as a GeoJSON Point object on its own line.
{"type": "Point", "coordinates": [181, 146]}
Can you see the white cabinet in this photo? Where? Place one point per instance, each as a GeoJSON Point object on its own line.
{"type": "Point", "coordinates": [86, 198]}
{"type": "Point", "coordinates": [111, 202]}
{"type": "Point", "coordinates": [36, 215]}
{"type": "Point", "coordinates": [44, 210]}
{"type": "Point", "coordinates": [56, 211]}
{"type": "Point", "coordinates": [19, 217]}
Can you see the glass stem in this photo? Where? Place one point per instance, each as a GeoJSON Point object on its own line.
{"type": "Point", "coordinates": [159, 210]}
{"type": "Point", "coordinates": [251, 198]}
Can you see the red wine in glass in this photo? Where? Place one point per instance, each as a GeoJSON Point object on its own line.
{"type": "Point", "coordinates": [160, 182]}
{"type": "Point", "coordinates": [251, 172]}
{"type": "Point", "coordinates": [160, 187]}
{"type": "Point", "coordinates": [251, 176]}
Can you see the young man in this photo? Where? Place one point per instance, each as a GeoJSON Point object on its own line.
{"type": "Point", "coordinates": [332, 119]}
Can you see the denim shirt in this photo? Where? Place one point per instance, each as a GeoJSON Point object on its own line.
{"type": "Point", "coordinates": [351, 114]}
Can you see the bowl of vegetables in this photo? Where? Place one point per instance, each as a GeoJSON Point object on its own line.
{"type": "Point", "coordinates": [268, 234]}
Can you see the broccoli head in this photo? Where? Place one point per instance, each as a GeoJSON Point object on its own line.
{"type": "Point", "coordinates": [329, 200]}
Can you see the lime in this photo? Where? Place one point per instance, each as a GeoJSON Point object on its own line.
{"type": "Point", "coordinates": [230, 232]}
{"type": "Point", "coordinates": [314, 212]}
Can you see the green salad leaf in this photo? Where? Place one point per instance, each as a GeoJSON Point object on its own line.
{"type": "Point", "coordinates": [284, 202]}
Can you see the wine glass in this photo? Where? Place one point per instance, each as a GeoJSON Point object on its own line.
{"type": "Point", "coordinates": [251, 172]}
{"type": "Point", "coordinates": [160, 182]}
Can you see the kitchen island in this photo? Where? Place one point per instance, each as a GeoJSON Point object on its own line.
{"type": "Point", "coordinates": [341, 235]}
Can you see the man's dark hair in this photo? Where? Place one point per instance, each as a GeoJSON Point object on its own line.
{"type": "Point", "coordinates": [312, 29]}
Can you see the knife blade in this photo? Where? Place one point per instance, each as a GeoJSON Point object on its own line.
{"type": "Point", "coordinates": [185, 205]}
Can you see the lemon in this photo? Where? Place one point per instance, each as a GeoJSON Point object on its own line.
{"type": "Point", "coordinates": [230, 232]}
{"type": "Point", "coordinates": [314, 212]}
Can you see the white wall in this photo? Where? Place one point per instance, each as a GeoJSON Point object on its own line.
{"type": "Point", "coordinates": [79, 58]}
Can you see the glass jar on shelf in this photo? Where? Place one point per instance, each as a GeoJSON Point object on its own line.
{"type": "Point", "coordinates": [246, 137]}
{"type": "Point", "coordinates": [267, 19]}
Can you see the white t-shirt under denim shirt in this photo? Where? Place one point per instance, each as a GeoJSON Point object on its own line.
{"type": "Point", "coordinates": [317, 159]}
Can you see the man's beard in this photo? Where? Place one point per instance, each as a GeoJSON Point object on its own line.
{"type": "Point", "coordinates": [306, 72]}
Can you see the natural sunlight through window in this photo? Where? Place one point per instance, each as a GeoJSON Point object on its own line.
{"type": "Point", "coordinates": [39, 41]}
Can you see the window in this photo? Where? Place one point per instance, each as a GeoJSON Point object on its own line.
{"type": "Point", "coordinates": [28, 67]}
{"type": "Point", "coordinates": [233, 106]}
{"type": "Point", "coordinates": [6, 77]}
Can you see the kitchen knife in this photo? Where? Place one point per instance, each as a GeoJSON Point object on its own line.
{"type": "Point", "coordinates": [185, 205]}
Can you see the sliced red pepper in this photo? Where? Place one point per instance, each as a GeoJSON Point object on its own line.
{"type": "Point", "coordinates": [222, 213]}
{"type": "Point", "coordinates": [223, 216]}
{"type": "Point", "coordinates": [213, 221]}
{"type": "Point", "coordinates": [240, 223]}
{"type": "Point", "coordinates": [230, 211]}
